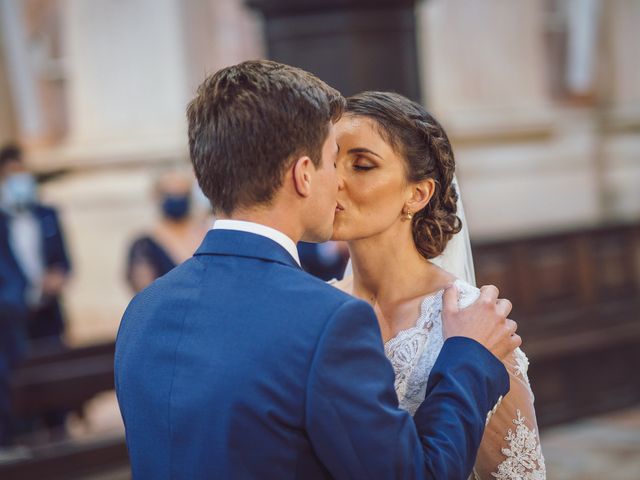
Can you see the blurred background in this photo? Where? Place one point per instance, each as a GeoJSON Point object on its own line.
{"type": "Point", "coordinates": [541, 99]}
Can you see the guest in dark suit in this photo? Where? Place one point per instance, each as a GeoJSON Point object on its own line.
{"type": "Point", "coordinates": [326, 261]}
{"type": "Point", "coordinates": [34, 264]}
{"type": "Point", "coordinates": [34, 243]}
{"type": "Point", "coordinates": [13, 315]}
{"type": "Point", "coordinates": [239, 365]}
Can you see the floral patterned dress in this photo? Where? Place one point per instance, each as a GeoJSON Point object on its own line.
{"type": "Point", "coordinates": [510, 448]}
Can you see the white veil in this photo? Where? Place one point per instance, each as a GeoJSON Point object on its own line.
{"type": "Point", "coordinates": [457, 258]}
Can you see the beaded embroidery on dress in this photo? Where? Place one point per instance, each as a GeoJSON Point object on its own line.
{"type": "Point", "coordinates": [413, 353]}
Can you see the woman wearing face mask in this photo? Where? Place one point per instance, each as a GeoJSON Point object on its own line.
{"type": "Point", "coordinates": [173, 239]}
{"type": "Point", "coordinates": [397, 209]}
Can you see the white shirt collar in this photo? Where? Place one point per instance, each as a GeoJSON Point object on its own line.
{"type": "Point", "coordinates": [259, 229]}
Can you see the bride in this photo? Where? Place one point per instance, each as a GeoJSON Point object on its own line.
{"type": "Point", "coordinates": [398, 210]}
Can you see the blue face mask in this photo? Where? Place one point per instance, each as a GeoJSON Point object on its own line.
{"type": "Point", "coordinates": [18, 191]}
{"type": "Point", "coordinates": [176, 207]}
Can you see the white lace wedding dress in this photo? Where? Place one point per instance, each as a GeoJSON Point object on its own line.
{"type": "Point", "coordinates": [510, 447]}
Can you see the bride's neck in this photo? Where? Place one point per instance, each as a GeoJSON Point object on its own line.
{"type": "Point", "coordinates": [388, 268]}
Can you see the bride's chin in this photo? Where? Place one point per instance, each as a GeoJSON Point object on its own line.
{"type": "Point", "coordinates": [337, 238]}
{"type": "Point", "coordinates": [340, 234]}
{"type": "Point", "coordinates": [347, 230]}
{"type": "Point", "coordinates": [345, 235]}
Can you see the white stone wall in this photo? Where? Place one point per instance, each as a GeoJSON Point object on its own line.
{"type": "Point", "coordinates": [526, 161]}
{"type": "Point", "coordinates": [621, 145]}
{"type": "Point", "coordinates": [7, 123]}
{"type": "Point", "coordinates": [131, 69]}
{"type": "Point", "coordinates": [126, 76]}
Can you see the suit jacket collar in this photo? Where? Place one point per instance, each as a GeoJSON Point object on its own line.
{"type": "Point", "coordinates": [244, 244]}
{"type": "Point", "coordinates": [37, 210]}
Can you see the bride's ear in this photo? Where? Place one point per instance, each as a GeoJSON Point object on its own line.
{"type": "Point", "coordinates": [421, 193]}
{"type": "Point", "coordinates": [302, 175]}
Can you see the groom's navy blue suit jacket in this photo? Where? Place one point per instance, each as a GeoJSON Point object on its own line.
{"type": "Point", "coordinates": [239, 365]}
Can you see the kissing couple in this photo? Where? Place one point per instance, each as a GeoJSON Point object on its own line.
{"type": "Point", "coordinates": [239, 365]}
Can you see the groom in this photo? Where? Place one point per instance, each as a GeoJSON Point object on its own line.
{"type": "Point", "coordinates": [239, 365]}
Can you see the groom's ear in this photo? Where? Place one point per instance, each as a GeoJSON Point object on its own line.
{"type": "Point", "coordinates": [302, 173]}
{"type": "Point", "coordinates": [421, 193]}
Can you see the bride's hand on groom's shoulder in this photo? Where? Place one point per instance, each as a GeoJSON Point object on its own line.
{"type": "Point", "coordinates": [485, 321]}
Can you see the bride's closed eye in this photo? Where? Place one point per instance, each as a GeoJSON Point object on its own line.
{"type": "Point", "coordinates": [362, 159]}
{"type": "Point", "coordinates": [363, 164]}
{"type": "Point", "coordinates": [363, 168]}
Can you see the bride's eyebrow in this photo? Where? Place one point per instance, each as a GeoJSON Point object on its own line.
{"type": "Point", "coordinates": [364, 150]}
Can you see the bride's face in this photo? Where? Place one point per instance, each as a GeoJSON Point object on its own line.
{"type": "Point", "coordinates": [373, 188]}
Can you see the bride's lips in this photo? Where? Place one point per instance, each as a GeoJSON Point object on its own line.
{"type": "Point", "coordinates": [339, 208]}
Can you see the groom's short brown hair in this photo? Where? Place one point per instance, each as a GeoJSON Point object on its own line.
{"type": "Point", "coordinates": [248, 122]}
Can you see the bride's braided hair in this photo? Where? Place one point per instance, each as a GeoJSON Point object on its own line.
{"type": "Point", "coordinates": [413, 133]}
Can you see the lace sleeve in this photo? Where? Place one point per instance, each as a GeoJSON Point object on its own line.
{"type": "Point", "coordinates": [510, 447]}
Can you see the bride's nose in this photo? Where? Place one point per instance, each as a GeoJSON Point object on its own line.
{"type": "Point", "coordinates": [340, 173]}
{"type": "Point", "coordinates": [340, 179]}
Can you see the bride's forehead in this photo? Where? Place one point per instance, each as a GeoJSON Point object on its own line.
{"type": "Point", "coordinates": [351, 127]}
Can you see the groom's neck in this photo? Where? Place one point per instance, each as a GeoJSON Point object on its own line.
{"type": "Point", "coordinates": [276, 218]}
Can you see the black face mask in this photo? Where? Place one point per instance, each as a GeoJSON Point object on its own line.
{"type": "Point", "coordinates": [176, 207]}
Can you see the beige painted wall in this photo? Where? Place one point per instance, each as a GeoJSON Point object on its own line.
{"type": "Point", "coordinates": [7, 124]}
{"type": "Point", "coordinates": [128, 88]}
{"type": "Point", "coordinates": [526, 162]}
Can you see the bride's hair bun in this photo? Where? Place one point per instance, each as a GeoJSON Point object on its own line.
{"type": "Point", "coordinates": [420, 139]}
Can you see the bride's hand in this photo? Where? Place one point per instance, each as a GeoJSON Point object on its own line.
{"type": "Point", "coordinates": [485, 321]}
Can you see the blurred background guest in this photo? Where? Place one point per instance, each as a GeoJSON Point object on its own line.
{"type": "Point", "coordinates": [324, 260]}
{"type": "Point", "coordinates": [13, 313]}
{"type": "Point", "coordinates": [34, 247]}
{"type": "Point", "coordinates": [173, 239]}
{"type": "Point", "coordinates": [35, 269]}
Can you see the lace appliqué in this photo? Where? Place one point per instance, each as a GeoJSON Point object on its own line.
{"type": "Point", "coordinates": [410, 355]}
{"type": "Point", "coordinates": [493, 410]}
{"type": "Point", "coordinates": [414, 351]}
{"type": "Point", "coordinates": [522, 365]}
{"type": "Point", "coordinates": [524, 460]}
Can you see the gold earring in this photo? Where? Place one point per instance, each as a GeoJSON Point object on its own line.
{"type": "Point", "coordinates": [408, 215]}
